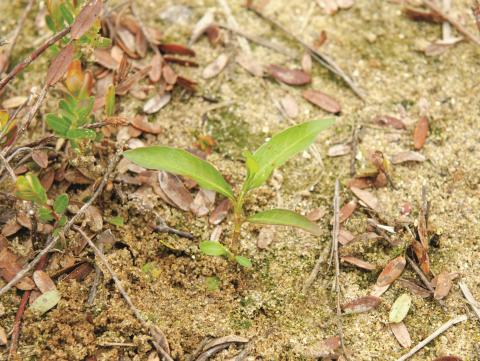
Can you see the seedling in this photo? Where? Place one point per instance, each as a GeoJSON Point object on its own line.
{"type": "Point", "coordinates": [260, 166]}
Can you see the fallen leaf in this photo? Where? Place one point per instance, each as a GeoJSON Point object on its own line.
{"type": "Point", "coordinates": [141, 122]}
{"type": "Point", "coordinates": [126, 41]}
{"type": "Point", "coordinates": [345, 237]}
{"type": "Point", "coordinates": [45, 302]}
{"type": "Point", "coordinates": [408, 156]}
{"type": "Point", "coordinates": [307, 63]}
{"type": "Point", "coordinates": [9, 267]}
{"type": "Point", "coordinates": [387, 120]}
{"type": "Point", "coordinates": [420, 133]}
{"type": "Point", "coordinates": [421, 15]}
{"type": "Point", "coordinates": [176, 49]}
{"type": "Point", "coordinates": [14, 102]}
{"type": "Point", "coordinates": [40, 157]}
{"type": "Point", "coordinates": [94, 218]}
{"type": "Point", "coordinates": [155, 72]}
{"type": "Point", "coordinates": [220, 212]}
{"type": "Point", "coordinates": [127, 84]}
{"type": "Point", "coordinates": [201, 26]}
{"type": "Point", "coordinates": [289, 106]}
{"type": "Point", "coordinates": [339, 150]}
{"type": "Point", "coordinates": [156, 103]}
{"type": "Point", "coordinates": [59, 65]}
{"type": "Point", "coordinates": [169, 74]}
{"type": "Point", "coordinates": [414, 288]}
{"type": "Point", "coordinates": [362, 304]}
{"type": "Point", "coordinates": [43, 281]}
{"type": "Point", "coordinates": [76, 177]}
{"type": "Point", "coordinates": [400, 332]}
{"type": "Point", "coordinates": [289, 76]}
{"type": "Point", "coordinates": [366, 197]}
{"type": "Point", "coordinates": [358, 262]}
{"type": "Point", "coordinates": [422, 255]}
{"type": "Point", "coordinates": [448, 358]}
{"type": "Point", "coordinates": [3, 337]}
{"type": "Point", "coordinates": [80, 272]}
{"type": "Point", "coordinates": [250, 64]}
{"type": "Point", "coordinates": [213, 34]}
{"type": "Point", "coordinates": [316, 214]}
{"type": "Point", "coordinates": [322, 100]}
{"type": "Point", "coordinates": [392, 271]}
{"type": "Point", "coordinates": [444, 283]}
{"type": "Point", "coordinates": [216, 67]}
{"type": "Point", "coordinates": [322, 348]}
{"type": "Point", "coordinates": [202, 202]}
{"type": "Point", "coordinates": [378, 291]}
{"type": "Point", "coordinates": [103, 57]}
{"type": "Point", "coordinates": [85, 19]}
{"type": "Point", "coordinates": [400, 308]}
{"type": "Point", "coordinates": [265, 237]}
{"type": "Point", "coordinates": [183, 62]}
{"type": "Point", "coordinates": [10, 228]}
{"type": "Point", "coordinates": [347, 210]}
{"type": "Point", "coordinates": [174, 189]}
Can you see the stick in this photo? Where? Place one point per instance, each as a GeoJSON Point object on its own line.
{"type": "Point", "coordinates": [122, 291]}
{"type": "Point", "coordinates": [321, 58]}
{"type": "Point", "coordinates": [233, 24]}
{"type": "Point", "coordinates": [52, 240]}
{"type": "Point", "coordinates": [470, 299]}
{"type": "Point", "coordinates": [434, 335]}
{"type": "Point", "coordinates": [460, 28]}
{"type": "Point", "coordinates": [8, 168]}
{"type": "Point", "coordinates": [354, 147]}
{"type": "Point", "coordinates": [34, 55]}
{"type": "Point", "coordinates": [98, 275]}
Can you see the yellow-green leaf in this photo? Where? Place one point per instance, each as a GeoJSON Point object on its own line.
{"type": "Point", "coordinates": [286, 218]}
{"type": "Point", "coordinates": [400, 308]}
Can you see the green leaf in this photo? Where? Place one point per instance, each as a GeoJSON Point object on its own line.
{"type": "Point", "coordinates": [286, 218]}
{"type": "Point", "coordinates": [116, 221]}
{"type": "Point", "coordinates": [251, 163]}
{"type": "Point", "coordinates": [45, 302]}
{"type": "Point", "coordinates": [59, 125]}
{"type": "Point", "coordinates": [400, 308]}
{"type": "Point", "coordinates": [60, 204]}
{"type": "Point", "coordinates": [211, 248]}
{"type": "Point", "coordinates": [67, 15]}
{"type": "Point", "coordinates": [110, 101]}
{"type": "Point", "coordinates": [29, 188]}
{"type": "Point", "coordinates": [62, 221]}
{"type": "Point", "coordinates": [45, 215]}
{"type": "Point", "coordinates": [81, 133]}
{"type": "Point", "coordinates": [282, 147]}
{"type": "Point", "coordinates": [181, 162]}
{"type": "Point", "coordinates": [243, 261]}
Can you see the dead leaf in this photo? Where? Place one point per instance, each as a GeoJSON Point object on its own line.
{"type": "Point", "coordinates": [387, 120]}
{"type": "Point", "coordinates": [448, 358]}
{"type": "Point", "coordinates": [126, 41]}
{"type": "Point", "coordinates": [339, 150]}
{"type": "Point", "coordinates": [362, 304]}
{"type": "Point", "coordinates": [156, 103]}
{"type": "Point", "coordinates": [141, 122]}
{"type": "Point", "coordinates": [322, 348]}
{"type": "Point", "coordinates": [155, 72]}
{"type": "Point", "coordinates": [3, 337]}
{"type": "Point", "coordinates": [216, 67]}
{"type": "Point", "coordinates": [183, 62]}
{"type": "Point", "coordinates": [174, 189]}
{"type": "Point", "coordinates": [103, 57]}
{"type": "Point", "coordinates": [366, 197]}
{"type": "Point", "coordinates": [392, 271]}
{"type": "Point", "coordinates": [94, 218]}
{"type": "Point", "coordinates": [322, 100]}
{"type": "Point", "coordinates": [9, 267]}
{"type": "Point", "coordinates": [408, 156]}
{"type": "Point", "coordinates": [422, 256]}
{"type": "Point", "coordinates": [420, 133]}
{"type": "Point", "coordinates": [444, 283]}
{"type": "Point", "coordinates": [288, 76]}
{"type": "Point", "coordinates": [169, 74]}
{"type": "Point", "coordinates": [289, 106]}
{"type": "Point", "coordinates": [201, 26]}
{"type": "Point", "coordinates": [80, 272]}
{"type": "Point", "coordinates": [202, 203]}
{"type": "Point", "coordinates": [307, 63]}
{"type": "Point", "coordinates": [10, 228]}
{"type": "Point", "coordinates": [347, 210]}
{"type": "Point", "coordinates": [250, 64]}
{"type": "Point", "coordinates": [59, 65]}
{"type": "Point", "coordinates": [213, 34]}
{"type": "Point", "coordinates": [345, 237]}
{"type": "Point", "coordinates": [141, 43]}
{"type": "Point", "coordinates": [176, 49]}
{"type": "Point", "coordinates": [14, 102]}
{"type": "Point", "coordinates": [421, 15]}
{"type": "Point", "coordinates": [43, 281]}
{"type": "Point", "coordinates": [85, 19]}
{"type": "Point", "coordinates": [127, 84]}
{"type": "Point", "coordinates": [220, 212]}
{"type": "Point", "coordinates": [40, 157]}
{"type": "Point", "coordinates": [358, 262]}
{"type": "Point", "coordinates": [76, 177]}
{"type": "Point", "coordinates": [414, 288]}
{"type": "Point", "coordinates": [316, 214]}
{"type": "Point", "coordinates": [400, 332]}
{"type": "Point", "coordinates": [265, 237]}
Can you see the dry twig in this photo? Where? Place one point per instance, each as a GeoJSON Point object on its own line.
{"type": "Point", "coordinates": [232, 22]}
{"type": "Point", "coordinates": [470, 299]}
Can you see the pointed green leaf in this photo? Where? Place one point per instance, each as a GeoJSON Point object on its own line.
{"type": "Point", "coordinates": [181, 162]}
{"type": "Point", "coordinates": [286, 218]}
{"type": "Point", "coordinates": [45, 302]}
{"type": "Point", "coordinates": [57, 124]}
{"type": "Point", "coordinates": [60, 204]}
{"type": "Point", "coordinates": [110, 101]}
{"type": "Point", "coordinates": [29, 188]}
{"type": "Point", "coordinates": [45, 215]}
{"type": "Point", "coordinates": [400, 308]}
{"type": "Point", "coordinates": [282, 147]}
{"type": "Point", "coordinates": [211, 248]}
{"type": "Point", "coordinates": [81, 134]}
{"type": "Point", "coordinates": [243, 261]}
{"type": "Point", "coordinates": [251, 163]}
{"type": "Point", "coordinates": [116, 221]}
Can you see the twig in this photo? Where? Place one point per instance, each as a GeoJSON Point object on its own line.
{"type": "Point", "coordinates": [234, 25]}
{"type": "Point", "coordinates": [470, 299]}
{"type": "Point", "coordinates": [6, 165]}
{"type": "Point", "coordinates": [316, 269]}
{"type": "Point", "coordinates": [96, 281]}
{"type": "Point", "coordinates": [52, 240]}
{"type": "Point", "coordinates": [34, 55]}
{"type": "Point", "coordinates": [167, 229]}
{"type": "Point", "coordinates": [434, 335]}
{"type": "Point", "coordinates": [321, 58]}
{"type": "Point", "coordinates": [354, 147]}
{"type": "Point", "coordinates": [122, 291]}
{"type": "Point", "coordinates": [460, 28]}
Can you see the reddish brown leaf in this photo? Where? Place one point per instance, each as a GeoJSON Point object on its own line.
{"type": "Point", "coordinates": [288, 76]}
{"type": "Point", "coordinates": [322, 100]}
{"type": "Point", "coordinates": [360, 183]}
{"type": "Point", "coordinates": [220, 212]}
{"type": "Point", "coordinates": [40, 157]}
{"type": "Point", "coordinates": [176, 49]}
{"type": "Point", "coordinates": [141, 43]}
{"type": "Point", "coordinates": [59, 65]}
{"type": "Point", "coordinates": [85, 19]}
{"type": "Point", "coordinates": [216, 67]}
{"type": "Point", "coordinates": [448, 358]}
{"type": "Point", "coordinates": [316, 214]}
{"type": "Point", "coordinates": [422, 256]}
{"type": "Point", "coordinates": [105, 59]}
{"type": "Point", "coordinates": [420, 133]}
{"type": "Point", "coordinates": [43, 281]}
{"type": "Point", "coordinates": [362, 304]}
{"type": "Point", "coordinates": [323, 348]}
{"type": "Point", "coordinates": [392, 271]}
{"type": "Point", "coordinates": [127, 84]}
{"type": "Point", "coordinates": [387, 120]}
{"type": "Point", "coordinates": [79, 273]}
{"type": "Point", "coordinates": [169, 74]}
{"type": "Point", "coordinates": [347, 210]}
{"type": "Point", "coordinates": [174, 189]}
{"type": "Point", "coordinates": [186, 83]}
{"type": "Point", "coordinates": [10, 228]}
{"type": "Point", "coordinates": [213, 34]}
{"type": "Point", "coordinates": [155, 72]}
{"type": "Point", "coordinates": [141, 122]}
{"type": "Point", "coordinates": [47, 179]}
{"type": "Point", "coordinates": [400, 332]}
{"type": "Point", "coordinates": [414, 288]}
{"type": "Point", "coordinates": [183, 62]}
{"type": "Point", "coordinates": [421, 15]}
{"type": "Point", "coordinates": [320, 40]}
{"type": "Point", "coordinates": [366, 197]}
{"type": "Point", "coordinates": [9, 267]}
{"type": "Point", "coordinates": [358, 262]}
{"type": "Point", "coordinates": [76, 177]}
{"type": "Point", "coordinates": [443, 284]}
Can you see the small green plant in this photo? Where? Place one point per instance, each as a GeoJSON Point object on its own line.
{"type": "Point", "coordinates": [260, 166]}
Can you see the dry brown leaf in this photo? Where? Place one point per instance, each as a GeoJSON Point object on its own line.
{"type": "Point", "coordinates": [86, 18]}
{"type": "Point", "coordinates": [392, 271]}
{"type": "Point", "coordinates": [289, 106]}
{"type": "Point", "coordinates": [366, 197]}
{"type": "Point", "coordinates": [347, 210]}
{"type": "Point", "coordinates": [422, 255]}
{"type": "Point", "coordinates": [80, 272]}
{"type": "Point", "coordinates": [448, 358]}
{"type": "Point", "coordinates": [316, 214]}
{"type": "Point", "coordinates": [421, 15]}
{"type": "Point", "coordinates": [10, 228]}
{"type": "Point", "coordinates": [126, 41]}
{"type": "Point", "coordinates": [414, 288]}
{"type": "Point", "coordinates": [387, 120]}
{"type": "Point", "coordinates": [250, 64]}
{"type": "Point", "coordinates": [265, 237]}
{"type": "Point", "coordinates": [156, 103]}
{"type": "Point", "coordinates": [169, 74]}
{"type": "Point", "coordinates": [322, 348]}
{"type": "Point", "coordinates": [444, 283]}
{"type": "Point", "coordinates": [43, 281]}
{"type": "Point", "coordinates": [400, 332]}
{"type": "Point", "coordinates": [202, 203]}
{"type": "Point", "coordinates": [289, 76]}
{"type": "Point", "coordinates": [40, 157]}
{"type": "Point", "coordinates": [155, 72]}
{"type": "Point", "coordinates": [176, 49]}
{"type": "Point", "coordinates": [358, 262]}
{"type": "Point", "coordinates": [127, 84]}
{"type": "Point", "coordinates": [105, 59]}
{"type": "Point", "coordinates": [3, 337]}
{"type": "Point", "coordinates": [201, 26]}
{"type": "Point", "coordinates": [420, 133]}
{"type": "Point", "coordinates": [216, 67]}
{"type": "Point", "coordinates": [362, 304]}
{"type": "Point", "coordinates": [339, 150]}
{"type": "Point", "coordinates": [59, 65]}
{"type": "Point", "coordinates": [214, 35]}
{"type": "Point", "coordinates": [322, 100]}
{"type": "Point", "coordinates": [9, 267]}
{"type": "Point", "coordinates": [408, 156]}
{"type": "Point", "coordinates": [14, 102]}
{"type": "Point", "coordinates": [307, 63]}
{"type": "Point", "coordinates": [76, 177]}
{"type": "Point", "coordinates": [94, 218]}
{"type": "Point", "coordinates": [345, 237]}
{"type": "Point", "coordinates": [141, 122]}
{"type": "Point", "coordinates": [141, 44]}
{"type": "Point", "coordinates": [220, 212]}
{"type": "Point", "coordinates": [174, 189]}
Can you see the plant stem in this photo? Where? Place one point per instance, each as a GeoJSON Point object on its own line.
{"type": "Point", "coordinates": [237, 222]}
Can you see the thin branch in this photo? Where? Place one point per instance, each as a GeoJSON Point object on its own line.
{"type": "Point", "coordinates": [232, 22]}
{"type": "Point", "coordinates": [19, 28]}
{"type": "Point", "coordinates": [354, 147]}
{"type": "Point", "coordinates": [34, 55]}
{"type": "Point", "coordinates": [96, 281]}
{"type": "Point", "coordinates": [7, 166]}
{"type": "Point", "coordinates": [470, 299]}
{"type": "Point", "coordinates": [456, 24]}
{"type": "Point", "coordinates": [434, 335]}
{"type": "Point", "coordinates": [122, 291]}
{"type": "Point", "coordinates": [52, 240]}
